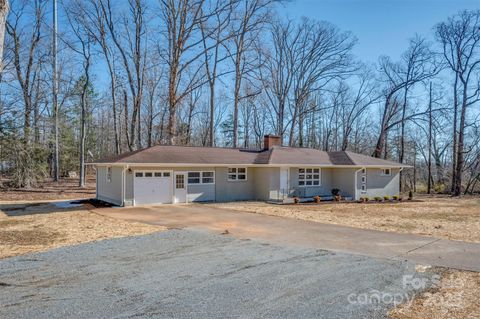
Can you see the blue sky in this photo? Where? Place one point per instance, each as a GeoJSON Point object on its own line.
{"type": "Point", "coordinates": [382, 27]}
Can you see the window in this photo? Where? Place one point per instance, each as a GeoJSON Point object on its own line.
{"type": "Point", "coordinates": [201, 178]}
{"type": "Point", "coordinates": [157, 174]}
{"type": "Point", "coordinates": [193, 178]}
{"type": "Point", "coordinates": [386, 172]}
{"type": "Point", "coordinates": [308, 177]}
{"type": "Point", "coordinates": [237, 174]}
{"type": "Point", "coordinates": [139, 174]}
{"type": "Point", "coordinates": [166, 174]}
{"type": "Point", "coordinates": [364, 180]}
{"type": "Point", "coordinates": [180, 181]}
{"type": "Point", "coordinates": [148, 174]}
{"type": "Point", "coordinates": [208, 178]}
{"type": "Point", "coordinates": [108, 174]}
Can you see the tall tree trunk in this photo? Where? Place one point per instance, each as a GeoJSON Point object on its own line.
{"type": "Point", "coordinates": [454, 145]}
{"type": "Point", "coordinates": [461, 135]}
{"type": "Point", "coordinates": [56, 160]}
{"type": "Point", "coordinates": [4, 8]}
{"type": "Point", "coordinates": [429, 165]}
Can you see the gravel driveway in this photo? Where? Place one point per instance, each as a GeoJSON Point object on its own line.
{"type": "Point", "coordinates": [184, 274]}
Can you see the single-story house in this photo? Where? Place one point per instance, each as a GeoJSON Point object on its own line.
{"type": "Point", "coordinates": [180, 174]}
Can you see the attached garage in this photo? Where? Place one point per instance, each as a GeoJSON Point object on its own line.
{"type": "Point", "coordinates": [152, 187]}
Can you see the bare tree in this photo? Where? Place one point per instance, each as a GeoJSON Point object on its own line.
{"type": "Point", "coordinates": [249, 19]}
{"type": "Point", "coordinates": [460, 42]}
{"type": "Point", "coordinates": [4, 8]}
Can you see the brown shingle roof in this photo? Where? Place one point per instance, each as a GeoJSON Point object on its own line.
{"type": "Point", "coordinates": [277, 155]}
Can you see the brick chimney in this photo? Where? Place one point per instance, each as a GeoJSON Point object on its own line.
{"type": "Point", "coordinates": [270, 141]}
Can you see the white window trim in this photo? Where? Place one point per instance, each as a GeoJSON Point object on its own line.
{"type": "Point", "coordinates": [237, 173]}
{"type": "Point", "coordinates": [312, 168]}
{"type": "Point", "coordinates": [383, 173]}
{"type": "Point", "coordinates": [201, 178]}
{"type": "Point", "coordinates": [108, 174]}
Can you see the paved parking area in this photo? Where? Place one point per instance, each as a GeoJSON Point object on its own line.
{"type": "Point", "coordinates": [191, 273]}
{"type": "Point", "coordinates": [300, 233]}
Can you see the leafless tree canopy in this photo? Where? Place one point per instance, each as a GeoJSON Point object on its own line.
{"type": "Point", "coordinates": [136, 73]}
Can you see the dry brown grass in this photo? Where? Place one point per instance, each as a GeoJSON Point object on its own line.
{"type": "Point", "coordinates": [34, 228]}
{"type": "Point", "coordinates": [442, 217]}
{"type": "Point", "coordinates": [455, 297]}
{"type": "Point", "coordinates": [66, 188]}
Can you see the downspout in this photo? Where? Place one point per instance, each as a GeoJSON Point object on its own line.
{"type": "Point", "coordinates": [123, 185]}
{"type": "Point", "coordinates": [399, 180]}
{"type": "Point", "coordinates": [356, 190]}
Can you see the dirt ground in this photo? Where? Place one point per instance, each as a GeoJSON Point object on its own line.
{"type": "Point", "coordinates": [66, 188]}
{"type": "Point", "coordinates": [35, 227]}
{"type": "Point", "coordinates": [442, 217]}
{"type": "Point", "coordinates": [456, 296]}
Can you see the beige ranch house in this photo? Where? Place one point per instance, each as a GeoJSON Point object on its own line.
{"type": "Point", "coordinates": [181, 174]}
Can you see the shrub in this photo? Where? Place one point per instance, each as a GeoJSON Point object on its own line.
{"type": "Point", "coordinates": [366, 199]}
{"type": "Point", "coordinates": [335, 192]}
{"type": "Point", "coordinates": [296, 200]}
{"type": "Point", "coordinates": [410, 195]}
{"type": "Point", "coordinates": [317, 199]}
{"type": "Point", "coordinates": [378, 198]}
{"type": "Point", "coordinates": [386, 197]}
{"type": "Point", "coordinates": [395, 197]}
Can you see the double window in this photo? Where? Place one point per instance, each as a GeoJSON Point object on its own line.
{"type": "Point", "coordinates": [207, 177]}
{"type": "Point", "coordinates": [309, 177]}
{"type": "Point", "coordinates": [237, 173]}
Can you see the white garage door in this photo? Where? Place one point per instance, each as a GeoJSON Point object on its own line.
{"type": "Point", "coordinates": [152, 187]}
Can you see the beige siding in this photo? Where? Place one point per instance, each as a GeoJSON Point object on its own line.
{"type": "Point", "coordinates": [110, 191]}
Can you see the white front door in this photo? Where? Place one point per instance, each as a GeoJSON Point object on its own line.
{"type": "Point", "coordinates": [152, 187]}
{"type": "Point", "coordinates": [284, 177]}
{"type": "Point", "coordinates": [180, 187]}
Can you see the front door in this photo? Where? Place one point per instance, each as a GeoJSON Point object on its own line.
{"type": "Point", "coordinates": [284, 172]}
{"type": "Point", "coordinates": [180, 188]}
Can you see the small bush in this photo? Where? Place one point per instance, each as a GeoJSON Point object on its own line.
{"type": "Point", "coordinates": [395, 197]}
{"type": "Point", "coordinates": [296, 200]}
{"type": "Point", "coordinates": [317, 199]}
{"type": "Point", "coordinates": [378, 198]}
{"type": "Point", "coordinates": [335, 192]}
{"type": "Point", "coordinates": [386, 198]}
{"type": "Point", "coordinates": [366, 199]}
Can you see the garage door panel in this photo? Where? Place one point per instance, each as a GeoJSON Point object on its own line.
{"type": "Point", "coordinates": [152, 188]}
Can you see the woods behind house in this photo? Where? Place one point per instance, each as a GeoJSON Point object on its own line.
{"type": "Point", "coordinates": [136, 73]}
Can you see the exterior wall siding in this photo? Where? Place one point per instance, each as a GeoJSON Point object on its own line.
{"type": "Point", "coordinates": [379, 185]}
{"type": "Point", "coordinates": [267, 183]}
{"type": "Point", "coordinates": [110, 191]}
{"type": "Point", "coordinates": [263, 183]}
{"type": "Point", "coordinates": [344, 180]}
{"type": "Point", "coordinates": [234, 190]}
{"type": "Point", "coordinates": [323, 190]}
